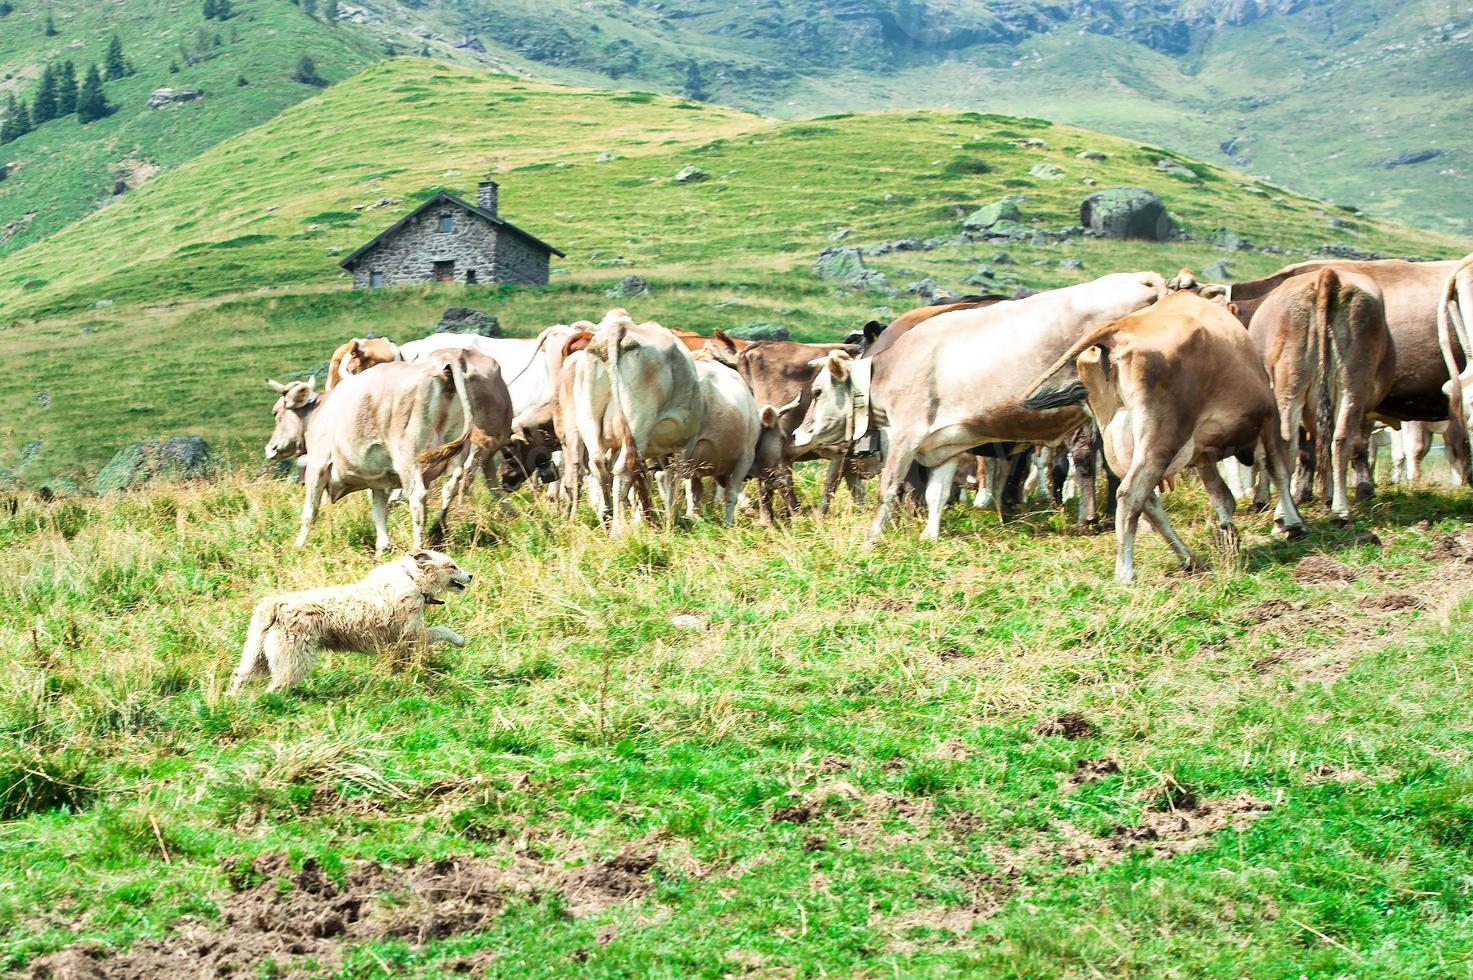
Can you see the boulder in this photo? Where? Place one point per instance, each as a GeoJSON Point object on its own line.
{"type": "Point", "coordinates": [1071, 263]}
{"type": "Point", "coordinates": [628, 286]}
{"type": "Point", "coordinates": [1175, 169]}
{"type": "Point", "coordinates": [1218, 270]}
{"type": "Point", "coordinates": [1226, 238]}
{"type": "Point", "coordinates": [990, 214]}
{"type": "Point", "coordinates": [1090, 155]}
{"type": "Point", "coordinates": [1009, 229]}
{"type": "Point", "coordinates": [175, 458]}
{"type": "Point", "coordinates": [840, 264]}
{"type": "Point", "coordinates": [691, 175]}
{"type": "Point", "coordinates": [607, 156]}
{"type": "Point", "coordinates": [1046, 171]}
{"type": "Point", "coordinates": [1127, 212]}
{"type": "Point", "coordinates": [760, 331]}
{"type": "Point", "coordinates": [460, 319]}
{"type": "Point", "coordinates": [161, 97]}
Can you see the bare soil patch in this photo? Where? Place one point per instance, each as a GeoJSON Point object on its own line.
{"type": "Point", "coordinates": [1088, 771]}
{"type": "Point", "coordinates": [277, 915]}
{"type": "Point", "coordinates": [1070, 725]}
{"type": "Point", "coordinates": [1456, 547]}
{"type": "Point", "coordinates": [1391, 602]}
{"type": "Point", "coordinates": [1322, 568]}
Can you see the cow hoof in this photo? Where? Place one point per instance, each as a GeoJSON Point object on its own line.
{"type": "Point", "coordinates": [1365, 491]}
{"type": "Point", "coordinates": [1293, 532]}
{"type": "Point", "coordinates": [1340, 520]}
{"type": "Point", "coordinates": [1258, 506]}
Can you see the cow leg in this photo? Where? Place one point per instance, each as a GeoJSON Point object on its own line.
{"type": "Point", "coordinates": [1416, 445]}
{"type": "Point", "coordinates": [419, 495]}
{"type": "Point", "coordinates": [938, 488]}
{"type": "Point", "coordinates": [1155, 514]}
{"type": "Point", "coordinates": [898, 457]}
{"type": "Point", "coordinates": [1348, 423]}
{"type": "Point", "coordinates": [854, 480]}
{"type": "Point", "coordinates": [790, 493]}
{"type": "Point", "coordinates": [1058, 474]}
{"type": "Point", "coordinates": [622, 485]}
{"type": "Point", "coordinates": [693, 497]}
{"type": "Point", "coordinates": [1363, 462]}
{"type": "Point", "coordinates": [315, 477]}
{"type": "Point", "coordinates": [987, 480]}
{"type": "Point", "coordinates": [1223, 506]}
{"type": "Point", "coordinates": [831, 483]}
{"type": "Point", "coordinates": [1276, 464]}
{"type": "Point", "coordinates": [379, 506]}
{"type": "Point", "coordinates": [1136, 495]}
{"type": "Point", "coordinates": [665, 483]}
{"type": "Point", "coordinates": [1083, 453]}
{"type": "Point", "coordinates": [1017, 469]}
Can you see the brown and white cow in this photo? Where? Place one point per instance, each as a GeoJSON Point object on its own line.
{"type": "Point", "coordinates": [399, 426]}
{"type": "Point", "coordinates": [1176, 385]}
{"type": "Point", "coordinates": [779, 373]}
{"type": "Point", "coordinates": [957, 381]}
{"type": "Point", "coordinates": [1330, 359]}
{"type": "Point", "coordinates": [1454, 320]}
{"type": "Point", "coordinates": [358, 355]}
{"type": "Point", "coordinates": [637, 399]}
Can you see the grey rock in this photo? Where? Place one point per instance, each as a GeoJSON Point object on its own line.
{"type": "Point", "coordinates": [175, 458]}
{"type": "Point", "coordinates": [1127, 212]}
{"type": "Point", "coordinates": [1226, 238]}
{"type": "Point", "coordinates": [840, 235]}
{"type": "Point", "coordinates": [630, 285]}
{"type": "Point", "coordinates": [1046, 171]}
{"type": "Point", "coordinates": [161, 97]}
{"type": "Point", "coordinates": [691, 175]}
{"type": "Point", "coordinates": [1218, 270]}
{"type": "Point", "coordinates": [1175, 169]}
{"type": "Point", "coordinates": [1009, 229]}
{"type": "Point", "coordinates": [990, 214]}
{"type": "Point", "coordinates": [1090, 155]}
{"type": "Point", "coordinates": [461, 319]}
{"type": "Point", "coordinates": [607, 156]}
{"type": "Point", "coordinates": [840, 264]}
{"type": "Point", "coordinates": [1410, 157]}
{"type": "Point", "coordinates": [1002, 258]}
{"type": "Point", "coordinates": [1071, 263]}
{"type": "Point", "coordinates": [102, 304]}
{"type": "Point", "coordinates": [760, 330]}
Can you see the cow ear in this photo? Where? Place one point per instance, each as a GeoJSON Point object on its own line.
{"type": "Point", "coordinates": [768, 415]}
{"type": "Point", "coordinates": [312, 383]}
{"type": "Point", "coordinates": [354, 346]}
{"type": "Point", "coordinates": [838, 365]}
{"type": "Point", "coordinates": [275, 386]}
{"type": "Point", "coordinates": [1233, 308]}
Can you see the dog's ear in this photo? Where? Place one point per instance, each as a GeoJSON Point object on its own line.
{"type": "Point", "coordinates": [422, 557]}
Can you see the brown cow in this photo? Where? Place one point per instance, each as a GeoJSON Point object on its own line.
{"type": "Point", "coordinates": [1330, 358]}
{"type": "Point", "coordinates": [1177, 384]}
{"type": "Point", "coordinates": [779, 373]}
{"type": "Point", "coordinates": [357, 356]}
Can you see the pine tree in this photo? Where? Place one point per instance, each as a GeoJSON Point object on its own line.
{"type": "Point", "coordinates": [66, 89]}
{"type": "Point", "coordinates": [50, 26]}
{"type": "Point", "coordinates": [115, 64]}
{"type": "Point", "coordinates": [210, 10]}
{"type": "Point", "coordinates": [330, 11]}
{"type": "Point", "coordinates": [309, 7]}
{"type": "Point", "coordinates": [306, 72]}
{"type": "Point", "coordinates": [6, 8]}
{"type": "Point", "coordinates": [92, 102]}
{"type": "Point", "coordinates": [17, 120]}
{"type": "Point", "coordinates": [223, 10]}
{"type": "Point", "coordinates": [43, 107]}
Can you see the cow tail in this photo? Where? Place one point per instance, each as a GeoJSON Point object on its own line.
{"type": "Point", "coordinates": [1048, 393]}
{"type": "Point", "coordinates": [335, 369]}
{"type": "Point", "coordinates": [1457, 448]}
{"type": "Point", "coordinates": [1324, 338]}
{"type": "Point", "coordinates": [621, 417]}
{"type": "Point", "coordinates": [440, 456]}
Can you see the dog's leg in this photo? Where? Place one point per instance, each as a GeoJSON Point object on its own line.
{"type": "Point", "coordinates": [252, 662]}
{"type": "Point", "coordinates": [443, 634]}
{"type": "Point", "coordinates": [289, 657]}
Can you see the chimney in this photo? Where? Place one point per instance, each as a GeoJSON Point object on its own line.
{"type": "Point", "coordinates": [486, 196]}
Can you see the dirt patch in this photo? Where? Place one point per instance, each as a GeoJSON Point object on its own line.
{"type": "Point", "coordinates": [794, 813]}
{"type": "Point", "coordinates": [1166, 832]}
{"type": "Point", "coordinates": [1070, 725]}
{"type": "Point", "coordinates": [1272, 609]}
{"type": "Point", "coordinates": [953, 749]}
{"type": "Point", "coordinates": [1456, 547]}
{"type": "Point", "coordinates": [1322, 568]}
{"type": "Point", "coordinates": [135, 172]}
{"type": "Point", "coordinates": [598, 885]}
{"type": "Point", "coordinates": [1391, 602]}
{"type": "Point", "coordinates": [275, 914]}
{"type": "Point", "coordinates": [988, 893]}
{"type": "Point", "coordinates": [1088, 771]}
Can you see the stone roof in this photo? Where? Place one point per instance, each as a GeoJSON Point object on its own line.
{"type": "Point", "coordinates": [440, 198]}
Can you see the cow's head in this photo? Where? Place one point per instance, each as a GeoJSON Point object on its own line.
{"type": "Point", "coordinates": [295, 404]}
{"type": "Point", "coordinates": [829, 423]}
{"type": "Point", "coordinates": [528, 451]}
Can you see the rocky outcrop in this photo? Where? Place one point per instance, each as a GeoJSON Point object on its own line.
{"type": "Point", "coordinates": [176, 458]}
{"type": "Point", "coordinates": [461, 319]}
{"type": "Point", "coordinates": [1127, 212]}
{"type": "Point", "coordinates": [161, 97]}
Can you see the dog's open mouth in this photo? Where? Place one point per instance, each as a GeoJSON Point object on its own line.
{"type": "Point", "coordinates": [457, 586]}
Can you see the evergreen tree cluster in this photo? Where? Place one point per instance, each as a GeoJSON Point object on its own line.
{"type": "Point", "coordinates": [6, 8]}
{"type": "Point", "coordinates": [59, 95]}
{"type": "Point", "coordinates": [218, 10]}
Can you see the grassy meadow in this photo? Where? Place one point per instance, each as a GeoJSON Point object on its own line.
{"type": "Point", "coordinates": [844, 763]}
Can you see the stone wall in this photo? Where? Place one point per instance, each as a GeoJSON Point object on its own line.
{"type": "Point", "coordinates": [519, 261]}
{"type": "Point", "coordinates": [409, 255]}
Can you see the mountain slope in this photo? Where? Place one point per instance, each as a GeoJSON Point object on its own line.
{"type": "Point", "coordinates": [63, 169]}
{"type": "Point", "coordinates": [1315, 94]}
{"type": "Point", "coordinates": [224, 270]}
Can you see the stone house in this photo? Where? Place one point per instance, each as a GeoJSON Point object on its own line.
{"type": "Point", "coordinates": [447, 239]}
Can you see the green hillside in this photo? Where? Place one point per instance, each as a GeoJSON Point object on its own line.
{"type": "Point", "coordinates": [64, 169]}
{"type": "Point", "coordinates": [237, 250]}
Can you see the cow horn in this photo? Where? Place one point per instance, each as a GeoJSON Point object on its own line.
{"type": "Point", "coordinates": [791, 405]}
{"type": "Point", "coordinates": [276, 386]}
{"type": "Point", "coordinates": [312, 383]}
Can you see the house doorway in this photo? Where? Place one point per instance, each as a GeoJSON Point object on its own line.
{"type": "Point", "coordinates": [444, 272]}
{"type": "Point", "coordinates": [470, 277]}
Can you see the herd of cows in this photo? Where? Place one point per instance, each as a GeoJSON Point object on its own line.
{"type": "Point", "coordinates": [1291, 375]}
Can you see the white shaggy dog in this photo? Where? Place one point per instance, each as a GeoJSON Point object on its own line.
{"type": "Point", "coordinates": [384, 611]}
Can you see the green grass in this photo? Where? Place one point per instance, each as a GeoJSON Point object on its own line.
{"type": "Point", "coordinates": [64, 170]}
{"type": "Point", "coordinates": [895, 692]}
